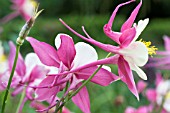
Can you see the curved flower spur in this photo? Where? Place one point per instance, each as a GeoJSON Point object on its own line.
{"type": "Point", "coordinates": [75, 63]}
{"type": "Point", "coordinates": [127, 52]}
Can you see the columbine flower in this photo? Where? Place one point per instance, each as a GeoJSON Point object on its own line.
{"type": "Point", "coordinates": [25, 7]}
{"type": "Point", "coordinates": [74, 63]}
{"type": "Point", "coordinates": [128, 50]}
{"type": "Point", "coordinates": [28, 74]}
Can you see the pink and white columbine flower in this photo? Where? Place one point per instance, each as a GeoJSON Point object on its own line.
{"type": "Point", "coordinates": [127, 51]}
{"type": "Point", "coordinates": [75, 63]}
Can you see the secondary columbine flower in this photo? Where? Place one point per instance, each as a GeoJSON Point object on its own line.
{"type": "Point", "coordinates": [3, 60]}
{"type": "Point", "coordinates": [25, 8]}
{"type": "Point", "coordinates": [162, 62]}
{"type": "Point", "coordinates": [28, 73]}
{"type": "Point", "coordinates": [127, 52]}
{"type": "Point", "coordinates": [69, 59]}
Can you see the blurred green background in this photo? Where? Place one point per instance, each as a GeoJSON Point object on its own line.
{"type": "Point", "coordinates": [92, 14]}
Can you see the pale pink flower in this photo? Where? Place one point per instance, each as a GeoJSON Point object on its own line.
{"type": "Point", "coordinates": [25, 8]}
{"type": "Point", "coordinates": [141, 109]}
{"type": "Point", "coordinates": [75, 63]}
{"type": "Point", "coordinates": [141, 85]}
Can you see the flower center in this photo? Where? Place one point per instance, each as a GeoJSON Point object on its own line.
{"type": "Point", "coordinates": [34, 3]}
{"type": "Point", "coordinates": [167, 96]}
{"type": "Point", "coordinates": [2, 58]}
{"type": "Point", "coordinates": [151, 49]}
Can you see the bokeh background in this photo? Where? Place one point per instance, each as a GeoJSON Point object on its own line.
{"type": "Point", "coordinates": [92, 14]}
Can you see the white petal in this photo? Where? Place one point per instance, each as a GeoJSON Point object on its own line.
{"type": "Point", "coordinates": [166, 105]}
{"type": "Point", "coordinates": [53, 70]}
{"type": "Point", "coordinates": [163, 87]}
{"type": "Point", "coordinates": [106, 68]}
{"type": "Point", "coordinates": [136, 53]}
{"type": "Point", "coordinates": [28, 7]}
{"type": "Point", "coordinates": [139, 71]}
{"type": "Point", "coordinates": [31, 60]}
{"type": "Point", "coordinates": [140, 27]}
{"type": "Point", "coordinates": [58, 40]}
{"type": "Point", "coordinates": [84, 54]}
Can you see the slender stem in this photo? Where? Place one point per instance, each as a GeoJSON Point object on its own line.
{"type": "Point", "coordinates": [20, 101]}
{"type": "Point", "coordinates": [10, 79]}
{"type": "Point", "coordinates": [83, 84]}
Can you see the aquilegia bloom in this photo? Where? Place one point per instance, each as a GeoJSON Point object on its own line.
{"type": "Point", "coordinates": [28, 73]}
{"type": "Point", "coordinates": [25, 8]}
{"type": "Point", "coordinates": [127, 51]}
{"type": "Point", "coordinates": [69, 57]}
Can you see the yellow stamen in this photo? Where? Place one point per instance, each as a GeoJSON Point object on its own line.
{"type": "Point", "coordinates": [2, 58]}
{"type": "Point", "coordinates": [167, 96]}
{"type": "Point", "coordinates": [151, 49]}
{"type": "Point", "coordinates": [34, 3]}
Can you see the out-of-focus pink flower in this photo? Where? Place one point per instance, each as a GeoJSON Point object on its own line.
{"type": "Point", "coordinates": [27, 73]}
{"type": "Point", "coordinates": [151, 95]}
{"type": "Point", "coordinates": [25, 7]}
{"type": "Point", "coordinates": [127, 52]}
{"type": "Point", "coordinates": [141, 85]}
{"type": "Point", "coordinates": [75, 63]}
{"type": "Point", "coordinates": [163, 92]}
{"type": "Point", "coordinates": [162, 62]}
{"type": "Point", "coordinates": [142, 109]}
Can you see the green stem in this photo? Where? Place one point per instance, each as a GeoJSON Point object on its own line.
{"type": "Point", "coordinates": [21, 100]}
{"type": "Point", "coordinates": [83, 84]}
{"type": "Point", "coordinates": [10, 79]}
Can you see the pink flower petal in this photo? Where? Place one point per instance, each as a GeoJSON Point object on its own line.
{"type": "Point", "coordinates": [151, 95]}
{"type": "Point", "coordinates": [167, 43]}
{"type": "Point", "coordinates": [81, 99]}
{"type": "Point", "coordinates": [130, 110]}
{"type": "Point", "coordinates": [130, 21]}
{"type": "Point", "coordinates": [66, 51]}
{"type": "Point", "coordinates": [127, 76]}
{"type": "Point", "coordinates": [38, 72]}
{"type": "Point", "coordinates": [127, 37]}
{"type": "Point", "coordinates": [103, 76]}
{"type": "Point", "coordinates": [107, 28]}
{"type": "Point", "coordinates": [46, 93]}
{"type": "Point", "coordinates": [46, 53]}
{"type": "Point", "coordinates": [141, 85]}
